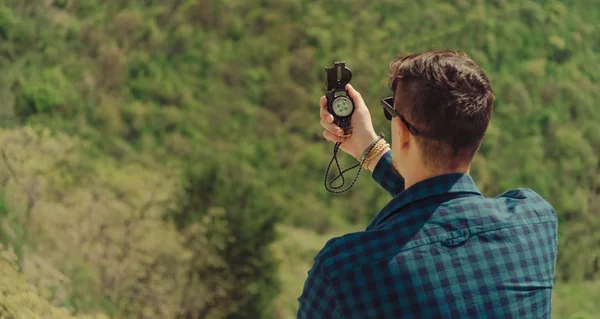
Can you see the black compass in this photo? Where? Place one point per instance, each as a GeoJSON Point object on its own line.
{"type": "Point", "coordinates": [339, 103]}
{"type": "Point", "coordinates": [341, 106]}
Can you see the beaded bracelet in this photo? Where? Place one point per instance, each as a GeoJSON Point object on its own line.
{"type": "Point", "coordinates": [368, 149]}
{"type": "Point", "coordinates": [379, 147]}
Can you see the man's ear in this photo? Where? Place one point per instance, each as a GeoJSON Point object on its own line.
{"type": "Point", "coordinates": [402, 132]}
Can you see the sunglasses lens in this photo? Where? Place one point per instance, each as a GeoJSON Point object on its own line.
{"type": "Point", "coordinates": [387, 114]}
{"type": "Point", "coordinates": [388, 102]}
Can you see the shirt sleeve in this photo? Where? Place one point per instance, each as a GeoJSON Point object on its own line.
{"type": "Point", "coordinates": [317, 299]}
{"type": "Point", "coordinates": [386, 177]}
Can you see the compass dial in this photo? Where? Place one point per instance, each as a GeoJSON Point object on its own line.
{"type": "Point", "coordinates": [342, 106]}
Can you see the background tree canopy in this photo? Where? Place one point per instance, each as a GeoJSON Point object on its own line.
{"type": "Point", "coordinates": [163, 159]}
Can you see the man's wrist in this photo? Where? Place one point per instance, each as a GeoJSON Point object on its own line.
{"type": "Point", "coordinates": [373, 162]}
{"type": "Point", "coordinates": [365, 144]}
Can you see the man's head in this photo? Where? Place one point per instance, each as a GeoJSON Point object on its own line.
{"type": "Point", "coordinates": [448, 100]}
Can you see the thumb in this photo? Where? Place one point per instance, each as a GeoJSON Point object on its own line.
{"type": "Point", "coordinates": [356, 97]}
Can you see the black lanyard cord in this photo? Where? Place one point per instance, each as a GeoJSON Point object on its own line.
{"type": "Point", "coordinates": [335, 189]}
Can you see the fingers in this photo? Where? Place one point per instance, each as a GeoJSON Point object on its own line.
{"type": "Point", "coordinates": [332, 137]}
{"type": "Point", "coordinates": [331, 127]}
{"type": "Point", "coordinates": [355, 95]}
{"type": "Point", "coordinates": [326, 116]}
{"type": "Point", "coordinates": [333, 132]}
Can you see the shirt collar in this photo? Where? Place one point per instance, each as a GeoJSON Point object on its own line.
{"type": "Point", "coordinates": [443, 184]}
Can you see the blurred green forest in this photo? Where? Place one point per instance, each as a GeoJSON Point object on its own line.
{"type": "Point", "coordinates": [163, 159]}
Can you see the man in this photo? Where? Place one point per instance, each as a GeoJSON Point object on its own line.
{"type": "Point", "coordinates": [438, 249]}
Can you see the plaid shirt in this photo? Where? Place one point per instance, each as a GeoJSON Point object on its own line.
{"type": "Point", "coordinates": [439, 249]}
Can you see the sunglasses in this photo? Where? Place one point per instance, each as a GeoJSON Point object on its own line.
{"type": "Point", "coordinates": [390, 112]}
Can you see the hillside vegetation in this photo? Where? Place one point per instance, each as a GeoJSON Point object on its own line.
{"type": "Point", "coordinates": [163, 159]}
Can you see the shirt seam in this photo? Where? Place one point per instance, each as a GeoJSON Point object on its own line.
{"type": "Point", "coordinates": [475, 230]}
{"type": "Point", "coordinates": [453, 234]}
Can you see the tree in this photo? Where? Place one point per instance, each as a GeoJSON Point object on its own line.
{"type": "Point", "coordinates": [241, 228]}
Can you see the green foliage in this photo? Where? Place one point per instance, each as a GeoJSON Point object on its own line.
{"type": "Point", "coordinates": [70, 207]}
{"type": "Point", "coordinates": [19, 301]}
{"type": "Point", "coordinates": [43, 92]}
{"type": "Point", "coordinates": [241, 234]}
{"type": "Point", "coordinates": [230, 88]}
{"type": "Point", "coordinates": [107, 220]}
{"type": "Point", "coordinates": [572, 300]}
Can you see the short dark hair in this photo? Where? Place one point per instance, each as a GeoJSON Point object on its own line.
{"type": "Point", "coordinates": [448, 98]}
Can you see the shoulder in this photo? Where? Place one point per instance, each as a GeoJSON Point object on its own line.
{"type": "Point", "coordinates": [342, 251]}
{"type": "Point", "coordinates": [334, 248]}
{"type": "Point", "coordinates": [355, 250]}
{"type": "Point", "coordinates": [527, 199]}
{"type": "Point", "coordinates": [526, 194]}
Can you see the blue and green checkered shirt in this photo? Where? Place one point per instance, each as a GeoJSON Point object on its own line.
{"type": "Point", "coordinates": [439, 249]}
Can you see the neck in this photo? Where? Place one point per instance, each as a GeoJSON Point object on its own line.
{"type": "Point", "coordinates": [418, 175]}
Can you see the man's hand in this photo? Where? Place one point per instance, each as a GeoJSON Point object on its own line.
{"type": "Point", "coordinates": [362, 126]}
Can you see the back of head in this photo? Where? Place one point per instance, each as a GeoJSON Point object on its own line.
{"type": "Point", "coordinates": [449, 100]}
